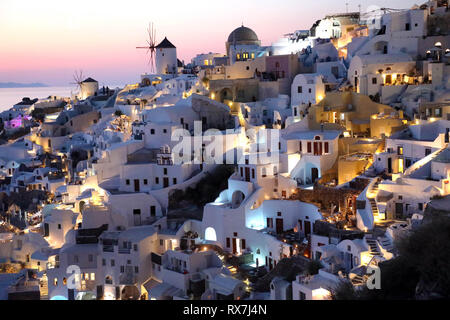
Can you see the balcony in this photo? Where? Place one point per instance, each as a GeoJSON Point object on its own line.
{"type": "Point", "coordinates": [108, 248]}
{"type": "Point", "coordinates": [124, 250]}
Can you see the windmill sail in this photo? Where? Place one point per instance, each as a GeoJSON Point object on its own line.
{"type": "Point", "coordinates": [151, 44]}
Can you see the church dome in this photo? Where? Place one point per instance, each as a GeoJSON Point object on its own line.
{"type": "Point", "coordinates": [242, 34]}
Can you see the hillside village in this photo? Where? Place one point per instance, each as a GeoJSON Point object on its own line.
{"type": "Point", "coordinates": [339, 144]}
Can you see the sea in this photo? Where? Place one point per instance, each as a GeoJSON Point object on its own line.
{"type": "Point", "coordinates": [11, 96]}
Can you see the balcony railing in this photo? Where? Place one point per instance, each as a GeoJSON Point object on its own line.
{"type": "Point", "coordinates": [108, 248]}
{"type": "Point", "coordinates": [124, 250]}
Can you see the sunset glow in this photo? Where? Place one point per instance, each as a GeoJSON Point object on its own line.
{"type": "Point", "coordinates": [47, 40]}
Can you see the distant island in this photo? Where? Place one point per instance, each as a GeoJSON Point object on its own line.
{"type": "Point", "coordinates": [22, 85]}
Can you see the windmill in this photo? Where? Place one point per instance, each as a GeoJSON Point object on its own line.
{"type": "Point", "coordinates": [78, 78]}
{"type": "Point", "coordinates": [151, 42]}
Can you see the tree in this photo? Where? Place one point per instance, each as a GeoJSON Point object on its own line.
{"type": "Point", "coordinates": [344, 291]}
{"type": "Point", "coordinates": [313, 267]}
{"type": "Point", "coordinates": [419, 272]}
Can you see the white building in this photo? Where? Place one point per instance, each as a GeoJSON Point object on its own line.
{"type": "Point", "coordinates": [88, 87]}
{"type": "Point", "coordinates": [166, 58]}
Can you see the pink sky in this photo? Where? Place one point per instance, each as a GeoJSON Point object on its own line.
{"type": "Point", "coordinates": [46, 40]}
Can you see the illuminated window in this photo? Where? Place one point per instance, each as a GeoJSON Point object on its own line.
{"type": "Point", "coordinates": [64, 281]}
{"type": "Point", "coordinates": [400, 165]}
{"type": "Point", "coordinates": [238, 56]}
{"type": "Point", "coordinates": [206, 62]}
{"type": "Point", "coordinates": [55, 282]}
{"type": "Point", "coordinates": [92, 276]}
{"type": "Point", "coordinates": [253, 55]}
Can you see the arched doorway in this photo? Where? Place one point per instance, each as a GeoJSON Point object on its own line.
{"type": "Point", "coordinates": [236, 199]}
{"type": "Point", "coordinates": [226, 94]}
{"type": "Point", "coordinates": [210, 234]}
{"type": "Point", "coordinates": [130, 293]}
{"type": "Point", "coordinates": [146, 82]}
{"type": "Point", "coordinates": [82, 204]}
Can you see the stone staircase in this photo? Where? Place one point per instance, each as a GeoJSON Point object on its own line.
{"type": "Point", "coordinates": [358, 280]}
{"type": "Point", "coordinates": [386, 243]}
{"type": "Point", "coordinates": [416, 166]}
{"type": "Point", "coordinates": [374, 207]}
{"type": "Point", "coordinates": [44, 290]}
{"type": "Point", "coordinates": [375, 186]}
{"type": "Point", "coordinates": [373, 247]}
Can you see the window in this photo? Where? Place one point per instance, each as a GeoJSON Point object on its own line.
{"type": "Point", "coordinates": [228, 242]}
{"type": "Point", "coordinates": [309, 90]}
{"type": "Point", "coordinates": [427, 151]}
{"type": "Point", "coordinates": [75, 258]}
{"type": "Point", "coordinates": [349, 248]}
{"type": "Point", "coordinates": [165, 171]}
{"type": "Point", "coordinates": [253, 173]}
{"type": "Point", "coordinates": [161, 242]}
{"type": "Point", "coordinates": [164, 130]}
{"type": "Point", "coordinates": [152, 131]}
{"type": "Point", "coordinates": [127, 182]}
{"type": "Point", "coordinates": [300, 89]}
{"type": "Point", "coordinates": [59, 226]}
{"type": "Point", "coordinates": [135, 247]}
{"type": "Point", "coordinates": [90, 258]}
{"type": "Point", "coordinates": [55, 282]}
{"type": "Point", "coordinates": [145, 181]}
{"type": "Point", "coordinates": [136, 269]}
{"type": "Point", "coordinates": [279, 214]}
{"type": "Point", "coordinates": [152, 211]}
{"type": "Point", "coordinates": [309, 147]}
{"type": "Point", "coordinates": [326, 147]}
{"type": "Point", "coordinates": [400, 197]}
{"type": "Point", "coordinates": [113, 263]}
{"type": "Point", "coordinates": [374, 80]}
{"type": "Point", "coordinates": [421, 206]}
{"type": "Point", "coordinates": [156, 180]}
{"type": "Point", "coordinates": [92, 276]}
{"type": "Point", "coordinates": [300, 146]}
{"type": "Point", "coordinates": [103, 262]}
{"type": "Point", "coordinates": [122, 269]}
{"type": "Point", "coordinates": [174, 180]}
{"type": "Point", "coordinates": [64, 281]}
{"type": "Point", "coordinates": [400, 150]}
